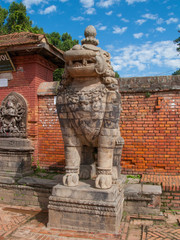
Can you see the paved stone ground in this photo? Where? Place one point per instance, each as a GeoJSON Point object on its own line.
{"type": "Point", "coordinates": [23, 223]}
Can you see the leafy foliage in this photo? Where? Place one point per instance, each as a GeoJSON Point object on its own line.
{"type": "Point", "coordinates": [57, 74]}
{"type": "Point", "coordinates": [117, 75]}
{"type": "Point", "coordinates": [63, 42]}
{"type": "Point", "coordinates": [17, 20]}
{"type": "Point", "coordinates": [178, 42]}
{"type": "Point", "coordinates": [3, 16]}
{"type": "Point", "coordinates": [177, 72]}
{"type": "Point", "coordinates": [178, 49]}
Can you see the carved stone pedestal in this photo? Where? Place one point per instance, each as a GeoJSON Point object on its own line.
{"type": "Point", "coordinates": [85, 208]}
{"type": "Point", "coordinates": [15, 158]}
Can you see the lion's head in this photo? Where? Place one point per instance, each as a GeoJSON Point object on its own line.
{"type": "Point", "coordinates": [88, 61]}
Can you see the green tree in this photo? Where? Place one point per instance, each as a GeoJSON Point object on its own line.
{"type": "Point", "coordinates": [64, 43]}
{"type": "Point", "coordinates": [37, 30]}
{"type": "Point", "coordinates": [67, 42]}
{"type": "Point", "coordinates": [3, 16]}
{"type": "Point", "coordinates": [17, 20]}
{"type": "Point", "coordinates": [177, 41]}
{"type": "Point", "coordinates": [176, 72]}
{"type": "Point", "coordinates": [117, 75]}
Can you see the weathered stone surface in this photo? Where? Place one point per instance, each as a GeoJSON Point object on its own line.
{"type": "Point", "coordinates": [89, 106]}
{"type": "Point", "coordinates": [15, 149]}
{"type": "Point", "coordinates": [141, 198]}
{"type": "Point", "coordinates": [13, 116]}
{"type": "Point", "coordinates": [7, 180]}
{"type": "Point", "coordinates": [38, 182]}
{"type": "Point", "coordinates": [15, 157]}
{"type": "Point", "coordinates": [86, 208]}
{"type": "Point", "coordinates": [22, 195]}
{"type": "Point", "coordinates": [149, 84]}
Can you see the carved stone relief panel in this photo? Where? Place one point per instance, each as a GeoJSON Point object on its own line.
{"type": "Point", "coordinates": [13, 116]}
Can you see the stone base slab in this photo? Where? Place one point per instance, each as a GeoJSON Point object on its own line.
{"type": "Point", "coordinates": [86, 208]}
{"type": "Point", "coordinates": [15, 158]}
{"type": "Point", "coordinates": [142, 199]}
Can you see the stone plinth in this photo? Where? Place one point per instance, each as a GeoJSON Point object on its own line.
{"type": "Point", "coordinates": [86, 208]}
{"type": "Point", "coordinates": [15, 158]}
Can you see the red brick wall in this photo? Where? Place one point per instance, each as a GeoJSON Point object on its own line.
{"type": "Point", "coordinates": [170, 200]}
{"type": "Point", "coordinates": [30, 72]}
{"type": "Point", "coordinates": [150, 126]}
{"type": "Point", "coordinates": [150, 123]}
{"type": "Point", "coordinates": [51, 147]}
{"type": "Point", "coordinates": [151, 129]}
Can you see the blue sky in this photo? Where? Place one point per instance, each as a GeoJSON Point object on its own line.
{"type": "Point", "coordinates": [138, 34]}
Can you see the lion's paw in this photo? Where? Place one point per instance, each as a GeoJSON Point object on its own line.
{"type": "Point", "coordinates": [103, 181]}
{"type": "Point", "coordinates": [71, 179]}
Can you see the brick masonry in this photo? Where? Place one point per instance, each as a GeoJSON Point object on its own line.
{"type": "Point", "coordinates": [150, 125]}
{"type": "Point", "coordinates": [30, 72]}
{"type": "Point", "coordinates": [170, 198]}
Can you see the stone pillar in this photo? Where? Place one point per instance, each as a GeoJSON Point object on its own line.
{"type": "Point", "coordinates": [15, 149]}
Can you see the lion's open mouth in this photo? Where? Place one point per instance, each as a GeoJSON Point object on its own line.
{"type": "Point", "coordinates": [77, 64]}
{"type": "Point", "coordinates": [81, 63]}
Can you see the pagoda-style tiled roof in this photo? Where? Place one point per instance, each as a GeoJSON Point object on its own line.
{"type": "Point", "coordinates": [20, 38]}
{"type": "Point", "coordinates": [19, 43]}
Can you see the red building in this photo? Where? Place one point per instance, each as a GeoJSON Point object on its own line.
{"type": "Point", "coordinates": [27, 60]}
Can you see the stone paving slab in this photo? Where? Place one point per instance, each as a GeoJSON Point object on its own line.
{"type": "Point", "coordinates": [25, 223]}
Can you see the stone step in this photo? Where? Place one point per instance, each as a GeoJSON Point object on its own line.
{"type": "Point", "coordinates": [142, 199]}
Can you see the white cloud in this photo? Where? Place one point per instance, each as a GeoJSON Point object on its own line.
{"type": "Point", "coordinates": [90, 11]}
{"type": "Point", "coordinates": [110, 47]}
{"type": "Point", "coordinates": [63, 1]}
{"type": "Point", "coordinates": [100, 27]}
{"type": "Point", "coordinates": [138, 35]}
{"type": "Point", "coordinates": [160, 29]}
{"type": "Point", "coordinates": [87, 3]}
{"type": "Point", "coordinates": [48, 10]}
{"type": "Point", "coordinates": [140, 21]}
{"type": "Point", "coordinates": [140, 58]}
{"type": "Point", "coordinates": [125, 20]}
{"type": "Point", "coordinates": [29, 3]}
{"type": "Point", "coordinates": [171, 14]}
{"type": "Point", "coordinates": [159, 20]}
{"type": "Point", "coordinates": [178, 26]}
{"type": "Point", "coordinates": [150, 16]}
{"type": "Point", "coordinates": [77, 18]}
{"type": "Point", "coordinates": [133, 1]}
{"type": "Point", "coordinates": [31, 11]}
{"type": "Point", "coordinates": [106, 3]}
{"type": "Point", "coordinates": [109, 13]}
{"type": "Point", "coordinates": [118, 30]}
{"type": "Point", "coordinates": [119, 15]}
{"type": "Point", "coordinates": [172, 20]}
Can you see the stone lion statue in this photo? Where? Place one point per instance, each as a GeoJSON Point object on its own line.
{"type": "Point", "coordinates": [88, 106]}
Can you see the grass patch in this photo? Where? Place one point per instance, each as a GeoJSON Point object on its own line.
{"type": "Point", "coordinates": [134, 176]}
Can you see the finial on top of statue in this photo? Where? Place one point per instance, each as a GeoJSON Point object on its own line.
{"type": "Point", "coordinates": [90, 36]}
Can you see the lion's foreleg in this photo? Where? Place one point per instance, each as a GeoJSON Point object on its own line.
{"type": "Point", "coordinates": [73, 150]}
{"type": "Point", "coordinates": [105, 161]}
